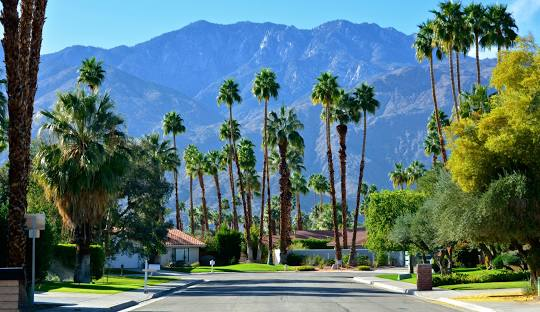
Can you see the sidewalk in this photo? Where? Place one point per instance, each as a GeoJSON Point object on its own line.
{"type": "Point", "coordinates": [451, 297]}
{"type": "Point", "coordinates": [62, 301]}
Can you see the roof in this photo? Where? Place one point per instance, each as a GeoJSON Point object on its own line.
{"type": "Point", "coordinates": [178, 238]}
{"type": "Point", "coordinates": [361, 236]}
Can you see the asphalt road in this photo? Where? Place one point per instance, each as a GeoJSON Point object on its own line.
{"type": "Point", "coordinates": [282, 292]}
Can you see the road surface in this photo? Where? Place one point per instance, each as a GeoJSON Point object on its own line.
{"type": "Point", "coordinates": [283, 292]}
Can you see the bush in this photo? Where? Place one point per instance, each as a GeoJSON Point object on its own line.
{"type": "Point", "coordinates": [330, 262]}
{"type": "Point", "coordinates": [313, 243]}
{"type": "Point", "coordinates": [381, 259]}
{"type": "Point", "coordinates": [484, 277]}
{"type": "Point", "coordinates": [294, 259]}
{"type": "Point", "coordinates": [305, 268]}
{"type": "Point", "coordinates": [506, 260]}
{"type": "Point", "coordinates": [65, 254]}
{"type": "Point", "coordinates": [228, 245]}
{"type": "Point", "coordinates": [317, 261]}
{"type": "Point", "coordinates": [195, 265]}
{"type": "Point", "coordinates": [360, 260]}
{"type": "Point", "coordinates": [364, 268]}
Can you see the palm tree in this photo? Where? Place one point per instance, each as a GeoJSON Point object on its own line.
{"type": "Point", "coordinates": [325, 91]}
{"type": "Point", "coordinates": [161, 152]}
{"type": "Point", "coordinates": [247, 161]}
{"type": "Point", "coordinates": [215, 164]}
{"type": "Point", "coordinates": [174, 124]}
{"type": "Point", "coordinates": [423, 45]}
{"type": "Point", "coordinates": [299, 186]}
{"type": "Point", "coordinates": [414, 172]}
{"type": "Point", "coordinates": [475, 103]}
{"type": "Point", "coordinates": [295, 160]}
{"type": "Point", "coordinates": [265, 87]}
{"type": "Point", "coordinates": [445, 26]}
{"type": "Point", "coordinates": [224, 135]}
{"type": "Point", "coordinates": [476, 18]}
{"type": "Point", "coordinates": [228, 94]}
{"type": "Point", "coordinates": [283, 133]}
{"type": "Point", "coordinates": [502, 28]}
{"type": "Point", "coordinates": [198, 166]}
{"type": "Point", "coordinates": [4, 122]}
{"type": "Point", "coordinates": [189, 154]}
{"type": "Point", "coordinates": [92, 74]}
{"type": "Point", "coordinates": [253, 187]}
{"type": "Point", "coordinates": [81, 164]}
{"type": "Point", "coordinates": [463, 42]}
{"type": "Point", "coordinates": [319, 184]}
{"type": "Point", "coordinates": [364, 98]}
{"type": "Point", "coordinates": [398, 176]}
{"type": "Point", "coordinates": [432, 146]}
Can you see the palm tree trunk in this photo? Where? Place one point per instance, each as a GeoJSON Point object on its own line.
{"type": "Point", "coordinates": [203, 200]}
{"type": "Point", "coordinates": [352, 256]}
{"type": "Point", "coordinates": [454, 96]}
{"type": "Point", "coordinates": [82, 272]}
{"type": "Point", "coordinates": [191, 211]}
{"type": "Point", "coordinates": [434, 160]}
{"type": "Point", "coordinates": [342, 131]}
{"type": "Point", "coordinates": [247, 225]}
{"type": "Point", "coordinates": [436, 106]}
{"type": "Point", "coordinates": [220, 207]}
{"type": "Point", "coordinates": [265, 162]}
{"type": "Point", "coordinates": [458, 72]}
{"type": "Point", "coordinates": [477, 58]}
{"type": "Point", "coordinates": [285, 202]}
{"type": "Point", "coordinates": [176, 202]}
{"type": "Point", "coordinates": [299, 226]}
{"type": "Point", "coordinates": [332, 186]}
{"type": "Point", "coordinates": [321, 200]}
{"type": "Point", "coordinates": [233, 194]}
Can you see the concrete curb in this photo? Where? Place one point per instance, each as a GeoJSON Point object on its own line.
{"type": "Point", "coordinates": [414, 292]}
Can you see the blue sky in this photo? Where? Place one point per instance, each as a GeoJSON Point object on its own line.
{"type": "Point", "coordinates": [109, 23]}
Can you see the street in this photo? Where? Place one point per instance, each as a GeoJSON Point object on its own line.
{"type": "Point", "coordinates": [294, 291]}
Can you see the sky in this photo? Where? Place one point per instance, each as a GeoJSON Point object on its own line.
{"type": "Point", "coordinates": [110, 23]}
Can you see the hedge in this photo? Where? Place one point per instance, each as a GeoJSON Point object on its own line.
{"type": "Point", "coordinates": [487, 277]}
{"type": "Point", "coordinates": [65, 254]}
{"type": "Point", "coordinates": [314, 243]}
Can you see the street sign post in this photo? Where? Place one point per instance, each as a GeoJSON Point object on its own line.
{"type": "Point", "coordinates": [34, 223]}
{"type": "Point", "coordinates": [212, 262]}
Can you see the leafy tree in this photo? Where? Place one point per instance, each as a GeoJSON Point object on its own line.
{"type": "Point", "coordinates": [190, 154]}
{"type": "Point", "coordinates": [501, 29]}
{"type": "Point", "coordinates": [228, 160]}
{"type": "Point", "coordinates": [174, 124]}
{"type": "Point", "coordinates": [475, 103]}
{"type": "Point", "coordinates": [225, 133]}
{"type": "Point", "coordinates": [476, 18]}
{"type": "Point", "coordinates": [264, 88]}
{"type": "Point", "coordinates": [91, 74]}
{"type": "Point", "coordinates": [215, 161]}
{"type": "Point", "coordinates": [247, 162]}
{"type": "Point", "coordinates": [398, 176]}
{"type": "Point", "coordinates": [326, 92]}
{"type": "Point", "coordinates": [299, 186]}
{"type": "Point", "coordinates": [320, 218]}
{"type": "Point", "coordinates": [319, 184]}
{"type": "Point", "coordinates": [283, 127]}
{"type": "Point", "coordinates": [414, 172]}
{"type": "Point", "coordinates": [81, 164]}
{"type": "Point", "coordinates": [198, 165]}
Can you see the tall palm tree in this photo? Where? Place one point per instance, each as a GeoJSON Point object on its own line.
{"type": "Point", "coordinates": [229, 94]}
{"type": "Point", "coordinates": [252, 186]}
{"type": "Point", "coordinates": [432, 147]}
{"type": "Point", "coordinates": [299, 186]}
{"type": "Point", "coordinates": [462, 45]}
{"type": "Point", "coordinates": [92, 74]}
{"type": "Point", "coordinates": [265, 87]}
{"type": "Point", "coordinates": [414, 172]}
{"type": "Point", "coordinates": [4, 120]}
{"type": "Point", "coordinates": [424, 44]}
{"type": "Point", "coordinates": [215, 164]}
{"type": "Point", "coordinates": [476, 18]}
{"type": "Point", "coordinates": [344, 112]}
{"type": "Point", "coordinates": [81, 164]}
{"type": "Point", "coordinates": [174, 124]}
{"type": "Point", "coordinates": [189, 155]}
{"type": "Point", "coordinates": [502, 28]}
{"type": "Point", "coordinates": [364, 99]}
{"type": "Point", "coordinates": [161, 152]}
{"type": "Point", "coordinates": [398, 176]}
{"type": "Point", "coordinates": [247, 162]}
{"type": "Point", "coordinates": [224, 135]}
{"type": "Point", "coordinates": [199, 167]}
{"type": "Point", "coordinates": [446, 25]}
{"type": "Point", "coordinates": [319, 184]}
{"type": "Point", "coordinates": [283, 133]}
{"type": "Point", "coordinates": [325, 92]}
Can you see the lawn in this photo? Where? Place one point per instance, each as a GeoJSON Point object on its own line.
{"type": "Point", "coordinates": [112, 285]}
{"type": "Point", "coordinates": [238, 268]}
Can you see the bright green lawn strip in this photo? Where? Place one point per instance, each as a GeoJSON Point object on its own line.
{"type": "Point", "coordinates": [394, 277]}
{"type": "Point", "coordinates": [493, 285]}
{"type": "Point", "coordinates": [114, 285]}
{"type": "Point", "coordinates": [238, 268]}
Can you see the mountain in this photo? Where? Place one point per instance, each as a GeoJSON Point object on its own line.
{"type": "Point", "coordinates": [182, 70]}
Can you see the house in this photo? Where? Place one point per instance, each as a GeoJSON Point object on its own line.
{"type": "Point", "coordinates": [181, 247]}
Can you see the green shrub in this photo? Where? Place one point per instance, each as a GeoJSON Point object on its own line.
{"type": "Point", "coordinates": [294, 259]}
{"type": "Point", "coordinates": [364, 268]}
{"type": "Point", "coordinates": [305, 268]}
{"type": "Point", "coordinates": [505, 260]}
{"type": "Point", "coordinates": [228, 245]}
{"type": "Point", "coordinates": [65, 254]}
{"type": "Point", "coordinates": [381, 259]}
{"type": "Point", "coordinates": [317, 261]}
{"type": "Point", "coordinates": [195, 265]}
{"type": "Point", "coordinates": [360, 260]}
{"type": "Point", "coordinates": [330, 262]}
{"type": "Point", "coordinates": [313, 243]}
{"type": "Point", "coordinates": [484, 277]}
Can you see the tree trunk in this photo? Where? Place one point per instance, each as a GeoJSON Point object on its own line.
{"type": "Point", "coordinates": [342, 132]}
{"type": "Point", "coordinates": [285, 202]}
{"type": "Point", "coordinates": [271, 223]}
{"type": "Point", "coordinates": [203, 200]}
{"type": "Point", "coordinates": [176, 202]}
{"type": "Point", "coordinates": [299, 226]}
{"type": "Point", "coordinates": [352, 257]}
{"type": "Point", "coordinates": [191, 211]}
{"type": "Point", "coordinates": [220, 207]}
{"type": "Point", "coordinates": [332, 186]}
{"type": "Point", "coordinates": [458, 72]}
{"type": "Point", "coordinates": [454, 96]}
{"type": "Point", "coordinates": [477, 59]}
{"type": "Point", "coordinates": [433, 160]}
{"type": "Point", "coordinates": [436, 106]}
{"type": "Point", "coordinates": [82, 273]}
{"type": "Point", "coordinates": [233, 194]}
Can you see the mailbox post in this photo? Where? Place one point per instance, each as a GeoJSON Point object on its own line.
{"type": "Point", "coordinates": [34, 223]}
{"type": "Point", "coordinates": [212, 262]}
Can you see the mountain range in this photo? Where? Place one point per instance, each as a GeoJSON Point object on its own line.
{"type": "Point", "coordinates": [182, 70]}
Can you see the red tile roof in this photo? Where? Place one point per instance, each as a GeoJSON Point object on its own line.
{"type": "Point", "coordinates": [178, 238]}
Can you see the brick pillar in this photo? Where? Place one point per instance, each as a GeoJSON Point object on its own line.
{"type": "Point", "coordinates": [423, 277]}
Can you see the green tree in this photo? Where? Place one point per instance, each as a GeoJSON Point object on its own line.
{"type": "Point", "coordinates": [299, 186]}
{"type": "Point", "coordinates": [283, 132]}
{"type": "Point", "coordinates": [475, 103]}
{"type": "Point", "coordinates": [215, 161]}
{"type": "Point", "coordinates": [224, 135]}
{"type": "Point", "coordinates": [247, 162]}
{"type": "Point", "coordinates": [476, 18]}
{"type": "Point", "coordinates": [398, 176]}
{"type": "Point", "coordinates": [81, 164]}
{"type": "Point", "coordinates": [326, 92]}
{"type": "Point", "coordinates": [190, 154]}
{"type": "Point", "coordinates": [4, 120]}
{"type": "Point", "coordinates": [414, 172]}
{"type": "Point", "coordinates": [91, 74]}
{"type": "Point", "coordinates": [174, 124]}
{"type": "Point", "coordinates": [364, 97]}
{"type": "Point", "coordinates": [501, 29]}
{"type": "Point", "coordinates": [198, 165]}
{"type": "Point", "coordinates": [319, 184]}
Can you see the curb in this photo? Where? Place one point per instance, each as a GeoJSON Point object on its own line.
{"type": "Point", "coordinates": [414, 292]}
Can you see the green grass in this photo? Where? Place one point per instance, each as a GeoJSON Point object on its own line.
{"type": "Point", "coordinates": [237, 268]}
{"type": "Point", "coordinates": [114, 284]}
{"type": "Point", "coordinates": [394, 277]}
{"type": "Point", "coordinates": [494, 285]}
